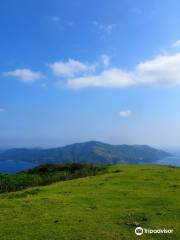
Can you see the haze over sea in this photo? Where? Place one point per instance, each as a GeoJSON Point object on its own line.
{"type": "Point", "coordinates": [174, 160]}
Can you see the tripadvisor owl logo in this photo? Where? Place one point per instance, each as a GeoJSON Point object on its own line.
{"type": "Point", "coordinates": [139, 231]}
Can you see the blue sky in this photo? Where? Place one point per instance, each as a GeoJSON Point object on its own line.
{"type": "Point", "coordinates": [73, 71]}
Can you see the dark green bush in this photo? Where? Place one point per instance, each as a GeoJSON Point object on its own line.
{"type": "Point", "coordinates": [46, 174]}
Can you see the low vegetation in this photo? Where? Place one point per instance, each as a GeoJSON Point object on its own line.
{"type": "Point", "coordinates": [103, 207]}
{"type": "Point", "coordinates": [46, 174]}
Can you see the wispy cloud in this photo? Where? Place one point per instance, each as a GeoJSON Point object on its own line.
{"type": "Point", "coordinates": [161, 70]}
{"type": "Point", "coordinates": [125, 113]}
{"type": "Point", "coordinates": [176, 44]}
{"type": "Point", "coordinates": [63, 22]}
{"type": "Point", "coordinates": [70, 23]}
{"type": "Point", "coordinates": [102, 28]}
{"type": "Point", "coordinates": [2, 110]}
{"type": "Point", "coordinates": [105, 60]}
{"type": "Point", "coordinates": [137, 11]}
{"type": "Point", "coordinates": [70, 68]}
{"type": "Point", "coordinates": [44, 85]}
{"type": "Point", "coordinates": [55, 19]}
{"type": "Point", "coordinates": [24, 75]}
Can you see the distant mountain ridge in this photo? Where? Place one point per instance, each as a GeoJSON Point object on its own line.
{"type": "Point", "coordinates": [87, 152]}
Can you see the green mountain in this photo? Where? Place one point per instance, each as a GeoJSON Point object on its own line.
{"type": "Point", "coordinates": [87, 152]}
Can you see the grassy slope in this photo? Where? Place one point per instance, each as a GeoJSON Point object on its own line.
{"type": "Point", "coordinates": [103, 207]}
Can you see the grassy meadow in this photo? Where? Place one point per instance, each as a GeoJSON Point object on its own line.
{"type": "Point", "coordinates": [107, 206]}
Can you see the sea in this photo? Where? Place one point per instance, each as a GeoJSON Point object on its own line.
{"type": "Point", "coordinates": [14, 166]}
{"type": "Point", "coordinates": [173, 160]}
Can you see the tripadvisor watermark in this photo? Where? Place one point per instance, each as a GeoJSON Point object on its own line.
{"type": "Point", "coordinates": [140, 231]}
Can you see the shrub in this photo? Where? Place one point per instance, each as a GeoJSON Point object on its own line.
{"type": "Point", "coordinates": [46, 174]}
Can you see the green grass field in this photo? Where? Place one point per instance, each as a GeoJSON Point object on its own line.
{"type": "Point", "coordinates": [103, 207]}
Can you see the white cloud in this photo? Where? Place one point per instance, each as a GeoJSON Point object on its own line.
{"type": "Point", "coordinates": [2, 110]}
{"type": "Point", "coordinates": [70, 68]}
{"type": "Point", "coordinates": [176, 44]}
{"type": "Point", "coordinates": [105, 28]}
{"type": "Point", "coordinates": [24, 75]}
{"type": "Point", "coordinates": [105, 60]}
{"type": "Point", "coordinates": [108, 78]}
{"type": "Point", "coordinates": [161, 70]}
{"type": "Point", "coordinates": [125, 114]}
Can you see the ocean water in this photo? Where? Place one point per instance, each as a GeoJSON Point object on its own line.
{"type": "Point", "coordinates": [173, 161]}
{"type": "Point", "coordinates": [13, 167]}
